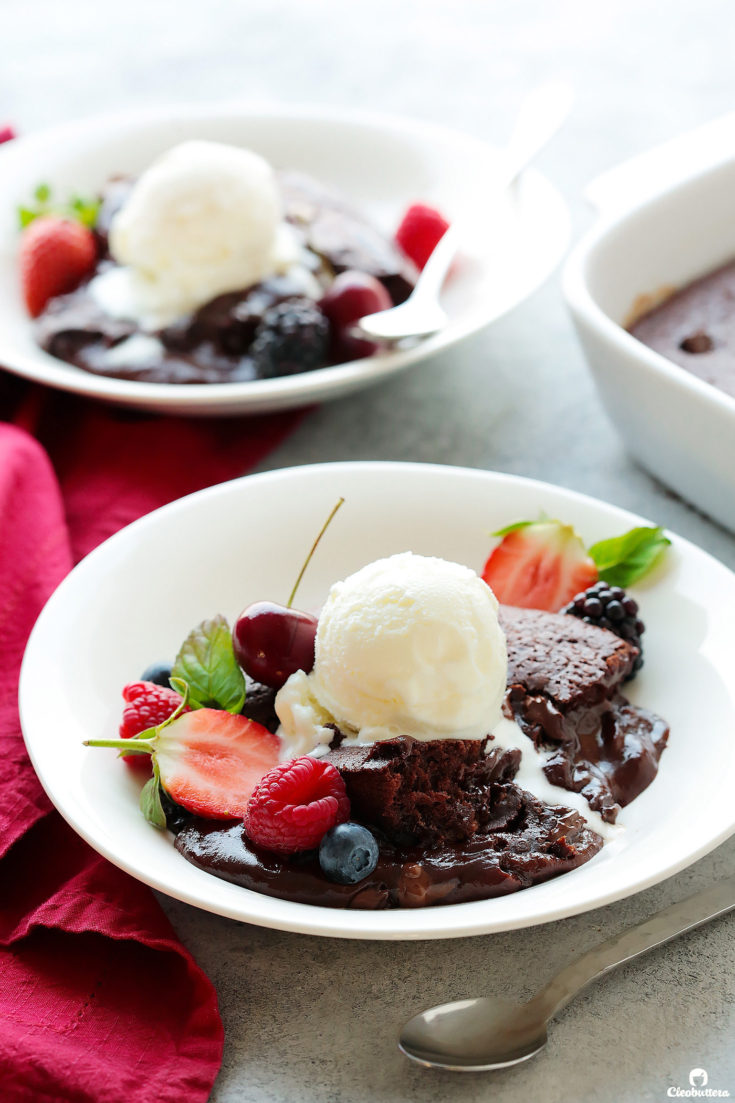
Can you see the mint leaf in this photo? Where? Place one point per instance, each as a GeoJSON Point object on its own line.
{"type": "Point", "coordinates": [624, 559]}
{"type": "Point", "coordinates": [206, 662]}
{"type": "Point", "coordinates": [150, 799]}
{"type": "Point", "coordinates": [42, 194]}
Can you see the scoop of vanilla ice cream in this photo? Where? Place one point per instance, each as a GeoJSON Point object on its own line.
{"type": "Point", "coordinates": [202, 220]}
{"type": "Point", "coordinates": [408, 645]}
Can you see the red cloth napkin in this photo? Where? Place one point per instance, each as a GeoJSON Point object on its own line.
{"type": "Point", "coordinates": [99, 1001]}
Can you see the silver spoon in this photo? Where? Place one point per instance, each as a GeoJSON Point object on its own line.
{"type": "Point", "coordinates": [539, 118]}
{"type": "Point", "coordinates": [492, 1033]}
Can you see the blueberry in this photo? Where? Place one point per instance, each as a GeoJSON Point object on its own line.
{"type": "Point", "coordinates": [348, 853]}
{"type": "Point", "coordinates": [158, 673]}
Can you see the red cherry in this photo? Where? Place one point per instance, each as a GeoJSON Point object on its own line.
{"type": "Point", "coordinates": [353, 295]}
{"type": "Point", "coordinates": [272, 642]}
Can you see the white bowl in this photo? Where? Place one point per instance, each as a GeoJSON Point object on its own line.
{"type": "Point", "coordinates": [135, 597]}
{"type": "Point", "coordinates": [679, 427]}
{"type": "Point", "coordinates": [509, 243]}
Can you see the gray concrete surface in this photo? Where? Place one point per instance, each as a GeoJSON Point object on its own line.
{"type": "Point", "coordinates": [314, 1020]}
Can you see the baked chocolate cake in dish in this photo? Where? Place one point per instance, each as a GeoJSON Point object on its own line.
{"type": "Point", "coordinates": [414, 744]}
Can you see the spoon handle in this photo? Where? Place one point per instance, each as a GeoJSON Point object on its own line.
{"type": "Point", "coordinates": [540, 116]}
{"type": "Point", "coordinates": [655, 931]}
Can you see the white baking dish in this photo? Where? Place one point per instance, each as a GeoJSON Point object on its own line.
{"type": "Point", "coordinates": [668, 217]}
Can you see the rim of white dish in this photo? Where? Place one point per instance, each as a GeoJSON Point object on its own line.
{"type": "Point", "coordinates": [456, 920]}
{"type": "Point", "coordinates": [581, 300]}
{"type": "Point", "coordinates": [297, 390]}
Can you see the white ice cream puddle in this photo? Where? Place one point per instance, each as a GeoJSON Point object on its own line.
{"type": "Point", "coordinates": [114, 292]}
{"type": "Point", "coordinates": [509, 735]}
{"type": "Point", "coordinates": [138, 351]}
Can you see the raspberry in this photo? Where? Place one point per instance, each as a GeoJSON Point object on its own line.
{"type": "Point", "coordinates": [148, 705]}
{"type": "Point", "coordinates": [420, 231]}
{"type": "Point", "coordinates": [294, 805]}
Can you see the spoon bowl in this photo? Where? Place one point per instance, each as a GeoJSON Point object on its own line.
{"type": "Point", "coordinates": [474, 1035]}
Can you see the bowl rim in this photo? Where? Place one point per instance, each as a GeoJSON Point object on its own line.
{"type": "Point", "coordinates": [585, 307]}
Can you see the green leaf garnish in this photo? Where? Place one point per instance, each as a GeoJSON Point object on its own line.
{"type": "Point", "coordinates": [79, 208]}
{"type": "Point", "coordinates": [624, 559]}
{"type": "Point", "coordinates": [513, 528]}
{"type": "Point", "coordinates": [542, 517]}
{"type": "Point", "coordinates": [150, 799]}
{"type": "Point", "coordinates": [207, 663]}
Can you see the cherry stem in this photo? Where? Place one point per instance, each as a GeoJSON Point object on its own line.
{"type": "Point", "coordinates": [314, 546]}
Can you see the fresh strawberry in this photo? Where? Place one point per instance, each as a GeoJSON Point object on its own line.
{"type": "Point", "coordinates": [6, 134]}
{"type": "Point", "coordinates": [295, 804]}
{"type": "Point", "coordinates": [420, 231]}
{"type": "Point", "coordinates": [539, 565]}
{"type": "Point", "coordinates": [55, 256]}
{"type": "Point", "coordinates": [208, 761]}
{"type": "Point", "coordinates": [148, 705]}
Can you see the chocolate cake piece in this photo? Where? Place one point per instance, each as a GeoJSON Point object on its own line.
{"type": "Point", "coordinates": [424, 792]}
{"type": "Point", "coordinates": [563, 679]}
{"type": "Point", "coordinates": [564, 658]}
{"type": "Point", "coordinates": [334, 230]}
{"type": "Point", "coordinates": [260, 704]}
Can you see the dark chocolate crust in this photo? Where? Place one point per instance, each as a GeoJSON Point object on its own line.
{"type": "Point", "coordinates": [564, 659]}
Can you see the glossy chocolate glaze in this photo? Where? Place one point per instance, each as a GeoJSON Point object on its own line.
{"type": "Point", "coordinates": [211, 345]}
{"type": "Point", "coordinates": [563, 678]}
{"type": "Point", "coordinates": [525, 843]}
{"type": "Point", "coordinates": [695, 328]}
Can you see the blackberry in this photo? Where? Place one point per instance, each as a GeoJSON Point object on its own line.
{"type": "Point", "coordinates": [292, 337]}
{"type": "Point", "coordinates": [610, 607]}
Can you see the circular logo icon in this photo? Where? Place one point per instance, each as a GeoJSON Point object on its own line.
{"type": "Point", "coordinates": [698, 1078]}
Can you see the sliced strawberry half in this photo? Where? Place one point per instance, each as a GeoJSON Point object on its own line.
{"type": "Point", "coordinates": [539, 565]}
{"type": "Point", "coordinates": [208, 761]}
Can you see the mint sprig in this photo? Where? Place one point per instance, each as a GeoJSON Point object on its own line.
{"type": "Point", "coordinates": [207, 663]}
{"type": "Point", "coordinates": [622, 560]}
{"type": "Point", "coordinates": [80, 208]}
